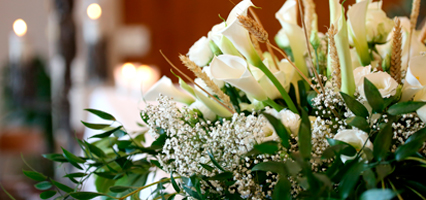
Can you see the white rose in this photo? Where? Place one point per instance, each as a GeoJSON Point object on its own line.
{"type": "Point", "coordinates": [200, 52]}
{"type": "Point", "coordinates": [289, 119]}
{"type": "Point", "coordinates": [415, 80]}
{"type": "Point", "coordinates": [378, 25]}
{"type": "Point", "coordinates": [207, 113]}
{"type": "Point", "coordinates": [355, 138]}
{"type": "Point", "coordinates": [383, 81]}
{"type": "Point", "coordinates": [360, 73]}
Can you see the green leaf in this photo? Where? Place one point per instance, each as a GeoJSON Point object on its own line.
{"type": "Point", "coordinates": [156, 163]}
{"type": "Point", "coordinates": [373, 96]}
{"type": "Point", "coordinates": [34, 175]}
{"type": "Point", "coordinates": [215, 163]}
{"type": "Point", "coordinates": [71, 157]}
{"type": "Point", "coordinates": [95, 126]}
{"type": "Point", "coordinates": [378, 194]}
{"type": "Point", "coordinates": [107, 133]}
{"type": "Point", "coordinates": [7, 193]}
{"type": "Point", "coordinates": [383, 141]}
{"type": "Point", "coordinates": [347, 185]}
{"type": "Point", "coordinates": [86, 195]}
{"type": "Point", "coordinates": [47, 194]}
{"type": "Point", "coordinates": [273, 166]}
{"type": "Point", "coordinates": [383, 171]}
{"type": "Point", "coordinates": [101, 114]}
{"type": "Point", "coordinates": [405, 107]}
{"type": "Point", "coordinates": [62, 187]}
{"type": "Point", "coordinates": [304, 136]}
{"type": "Point", "coordinates": [338, 149]}
{"type": "Point", "coordinates": [159, 142]}
{"type": "Point", "coordinates": [355, 106]}
{"type": "Point", "coordinates": [279, 129]}
{"type": "Point", "coordinates": [207, 167]}
{"type": "Point", "coordinates": [75, 175]}
{"type": "Point", "coordinates": [412, 145]}
{"type": "Point", "coordinates": [221, 176]}
{"type": "Point", "coordinates": [174, 184]}
{"type": "Point", "coordinates": [359, 122]}
{"type": "Point", "coordinates": [282, 190]}
{"type": "Point", "coordinates": [269, 147]}
{"type": "Point", "coordinates": [45, 185]}
{"type": "Point", "coordinates": [55, 157]}
{"type": "Point", "coordinates": [119, 188]}
{"type": "Point", "coordinates": [369, 179]}
{"type": "Point", "coordinates": [95, 150]}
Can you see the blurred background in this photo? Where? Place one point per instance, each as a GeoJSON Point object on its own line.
{"type": "Point", "coordinates": [58, 57]}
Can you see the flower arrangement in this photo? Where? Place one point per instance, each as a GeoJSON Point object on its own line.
{"type": "Point", "coordinates": [340, 116]}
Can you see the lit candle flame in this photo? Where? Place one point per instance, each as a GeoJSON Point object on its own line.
{"type": "Point", "coordinates": [94, 11]}
{"type": "Point", "coordinates": [145, 73]}
{"type": "Point", "coordinates": [20, 27]}
{"type": "Point", "coordinates": [128, 71]}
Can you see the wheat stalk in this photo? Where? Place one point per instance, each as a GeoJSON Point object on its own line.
{"type": "Point", "coordinates": [309, 9]}
{"type": "Point", "coordinates": [422, 37]}
{"type": "Point", "coordinates": [413, 21]}
{"type": "Point", "coordinates": [254, 28]}
{"type": "Point", "coordinates": [256, 46]}
{"type": "Point", "coordinates": [200, 74]}
{"type": "Point", "coordinates": [395, 69]}
{"type": "Point", "coordinates": [332, 31]}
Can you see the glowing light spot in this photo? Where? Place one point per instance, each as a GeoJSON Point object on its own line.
{"type": "Point", "coordinates": [146, 73]}
{"type": "Point", "coordinates": [94, 11]}
{"type": "Point", "coordinates": [20, 27]}
{"type": "Point", "coordinates": [128, 71]}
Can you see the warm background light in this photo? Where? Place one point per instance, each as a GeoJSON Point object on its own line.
{"type": "Point", "coordinates": [128, 71]}
{"type": "Point", "coordinates": [94, 11]}
{"type": "Point", "coordinates": [146, 73]}
{"type": "Point", "coordinates": [19, 27]}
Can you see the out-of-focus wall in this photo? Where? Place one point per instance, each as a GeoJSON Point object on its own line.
{"type": "Point", "coordinates": [34, 13]}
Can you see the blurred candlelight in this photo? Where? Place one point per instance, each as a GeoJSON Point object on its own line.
{"type": "Point", "coordinates": [20, 27]}
{"type": "Point", "coordinates": [147, 76]}
{"type": "Point", "coordinates": [19, 49]}
{"type": "Point", "coordinates": [94, 11]}
{"type": "Point", "coordinates": [134, 80]}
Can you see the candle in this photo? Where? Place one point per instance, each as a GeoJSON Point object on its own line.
{"type": "Point", "coordinates": [19, 48]}
{"type": "Point", "coordinates": [123, 77]}
{"type": "Point", "coordinates": [134, 81]}
{"type": "Point", "coordinates": [147, 76]}
{"type": "Point", "coordinates": [92, 29]}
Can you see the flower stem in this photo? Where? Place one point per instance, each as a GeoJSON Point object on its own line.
{"type": "Point", "coordinates": [147, 186]}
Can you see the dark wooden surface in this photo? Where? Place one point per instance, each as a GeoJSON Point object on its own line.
{"type": "Point", "coordinates": [176, 24]}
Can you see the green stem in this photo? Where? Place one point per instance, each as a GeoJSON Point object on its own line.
{"type": "Point", "coordinates": [274, 105]}
{"type": "Point", "coordinates": [278, 85]}
{"type": "Point", "coordinates": [147, 186]}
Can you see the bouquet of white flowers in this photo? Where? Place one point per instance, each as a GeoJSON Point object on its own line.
{"type": "Point", "coordinates": [322, 116]}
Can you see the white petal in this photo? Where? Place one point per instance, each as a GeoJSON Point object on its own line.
{"type": "Point", "coordinates": [166, 87]}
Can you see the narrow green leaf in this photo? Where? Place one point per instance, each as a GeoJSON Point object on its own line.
{"type": "Point", "coordinates": [7, 193]}
{"type": "Point", "coordinates": [347, 185]}
{"type": "Point", "coordinates": [119, 188]}
{"type": "Point", "coordinates": [156, 163]}
{"type": "Point", "coordinates": [71, 157]}
{"type": "Point", "coordinates": [101, 114]}
{"type": "Point", "coordinates": [279, 129]}
{"type": "Point", "coordinates": [44, 185]}
{"type": "Point", "coordinates": [62, 187]}
{"type": "Point", "coordinates": [221, 176]}
{"type": "Point", "coordinates": [273, 166]}
{"type": "Point", "coordinates": [269, 147]}
{"type": "Point", "coordinates": [355, 106]}
{"type": "Point", "coordinates": [174, 184]}
{"type": "Point", "coordinates": [215, 163]}
{"type": "Point", "coordinates": [47, 194]}
{"type": "Point", "coordinates": [369, 179]}
{"type": "Point", "coordinates": [207, 167]}
{"type": "Point", "coordinates": [95, 150]}
{"type": "Point", "coordinates": [373, 96]}
{"type": "Point", "coordinates": [55, 157]}
{"type": "Point", "coordinates": [378, 194]}
{"type": "Point", "coordinates": [282, 190]}
{"type": "Point", "coordinates": [383, 170]}
{"type": "Point", "coordinates": [86, 195]}
{"type": "Point", "coordinates": [405, 107]}
{"type": "Point", "coordinates": [359, 122]}
{"type": "Point", "coordinates": [412, 145]}
{"type": "Point", "coordinates": [95, 126]}
{"type": "Point", "coordinates": [159, 142]}
{"type": "Point", "coordinates": [107, 133]}
{"type": "Point", "coordinates": [383, 141]}
{"type": "Point", "coordinates": [304, 136]}
{"type": "Point", "coordinates": [34, 175]}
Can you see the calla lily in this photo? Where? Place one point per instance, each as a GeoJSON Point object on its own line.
{"type": "Point", "coordinates": [221, 41]}
{"type": "Point", "coordinates": [166, 87]}
{"type": "Point", "coordinates": [421, 96]}
{"type": "Point", "coordinates": [378, 24]}
{"type": "Point", "coordinates": [342, 45]}
{"type": "Point", "coordinates": [209, 103]}
{"type": "Point", "coordinates": [357, 29]}
{"type": "Point", "coordinates": [287, 16]}
{"type": "Point", "coordinates": [234, 70]}
{"type": "Point", "coordinates": [207, 113]}
{"type": "Point", "coordinates": [415, 80]}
